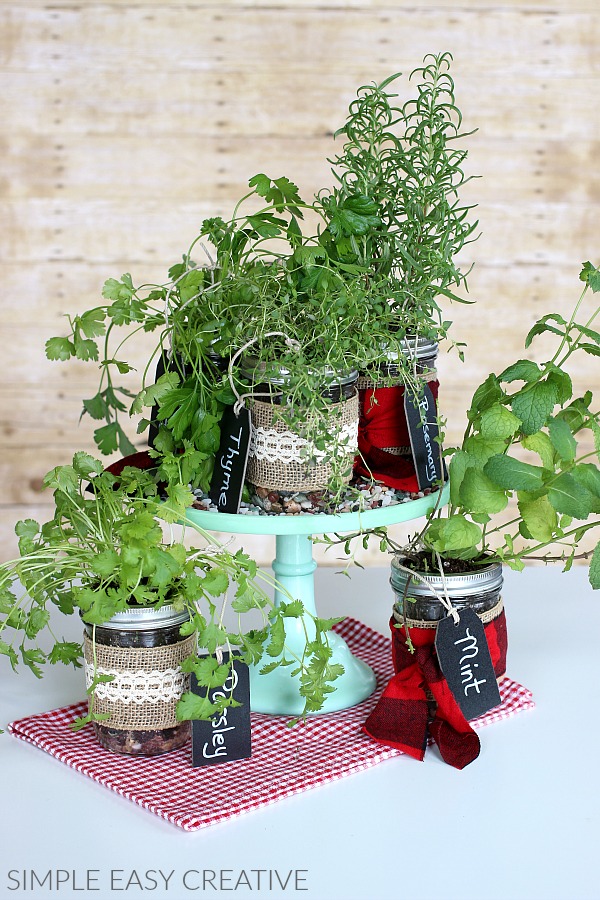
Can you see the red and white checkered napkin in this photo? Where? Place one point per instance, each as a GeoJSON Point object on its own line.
{"type": "Point", "coordinates": [285, 761]}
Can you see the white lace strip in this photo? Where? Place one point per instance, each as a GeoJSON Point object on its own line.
{"type": "Point", "coordinates": [287, 447]}
{"type": "Point", "coordinates": [139, 686]}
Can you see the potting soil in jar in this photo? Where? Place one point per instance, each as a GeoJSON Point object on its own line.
{"type": "Point", "coordinates": [142, 649]}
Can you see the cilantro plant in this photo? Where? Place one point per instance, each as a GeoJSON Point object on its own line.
{"type": "Point", "coordinates": [523, 441]}
{"type": "Point", "coordinates": [104, 551]}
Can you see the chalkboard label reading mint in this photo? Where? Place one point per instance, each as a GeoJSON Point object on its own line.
{"type": "Point", "coordinates": [230, 463]}
{"type": "Point", "coordinates": [466, 664]}
{"type": "Point", "coordinates": [423, 431]}
{"type": "Point", "coordinates": [226, 736]}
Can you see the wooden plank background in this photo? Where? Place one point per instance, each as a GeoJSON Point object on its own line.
{"type": "Point", "coordinates": [124, 124]}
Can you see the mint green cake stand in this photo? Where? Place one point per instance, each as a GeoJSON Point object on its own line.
{"type": "Point", "coordinates": [278, 692]}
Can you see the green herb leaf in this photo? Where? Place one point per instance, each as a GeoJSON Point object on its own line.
{"type": "Point", "coordinates": [154, 393]}
{"type": "Point", "coordinates": [561, 380]}
{"type": "Point", "coordinates": [66, 652]}
{"type": "Point", "coordinates": [562, 439]}
{"type": "Point", "coordinates": [594, 573]}
{"type": "Point", "coordinates": [33, 659]}
{"type": "Point", "coordinates": [107, 438]}
{"type": "Point", "coordinates": [498, 423]}
{"type": "Point", "coordinates": [541, 444]}
{"type": "Point", "coordinates": [514, 475]}
{"type": "Point", "coordinates": [478, 494]}
{"type": "Point", "coordinates": [539, 517]}
{"type": "Point", "coordinates": [191, 706]}
{"type": "Point", "coordinates": [485, 396]}
{"type": "Point", "coordinates": [277, 635]}
{"type": "Point", "coordinates": [568, 496]}
{"type": "Point", "coordinates": [481, 449]}
{"type": "Point", "coordinates": [542, 326]}
{"type": "Point", "coordinates": [215, 582]}
{"type": "Point", "coordinates": [522, 370]}
{"type": "Point", "coordinates": [207, 670]}
{"type": "Point", "coordinates": [92, 322]}
{"type": "Point", "coordinates": [459, 464]}
{"type": "Point", "coordinates": [60, 348]}
{"type": "Point", "coordinates": [591, 275]}
{"type": "Point", "coordinates": [534, 404]}
{"type": "Point", "coordinates": [453, 535]}
{"type": "Point", "coordinates": [85, 465]}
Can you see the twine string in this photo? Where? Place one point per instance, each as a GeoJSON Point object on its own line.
{"type": "Point", "coordinates": [240, 398]}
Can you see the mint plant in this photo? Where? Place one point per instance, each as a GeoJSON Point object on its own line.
{"type": "Point", "coordinates": [523, 441]}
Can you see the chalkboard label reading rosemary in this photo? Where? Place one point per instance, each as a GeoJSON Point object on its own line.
{"type": "Point", "coordinates": [230, 463]}
{"type": "Point", "coordinates": [465, 661]}
{"type": "Point", "coordinates": [226, 736]}
{"type": "Point", "coordinates": [423, 431]}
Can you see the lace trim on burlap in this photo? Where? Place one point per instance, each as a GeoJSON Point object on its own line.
{"type": "Point", "coordinates": [279, 459]}
{"type": "Point", "coordinates": [147, 683]}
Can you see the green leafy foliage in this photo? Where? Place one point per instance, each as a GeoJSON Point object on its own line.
{"type": "Point", "coordinates": [508, 432]}
{"type": "Point", "coordinates": [104, 552]}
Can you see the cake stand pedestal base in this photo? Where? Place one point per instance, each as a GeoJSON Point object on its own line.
{"type": "Point", "coordinates": [278, 692]}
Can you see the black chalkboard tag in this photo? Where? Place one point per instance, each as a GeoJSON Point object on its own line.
{"type": "Point", "coordinates": [423, 431]}
{"type": "Point", "coordinates": [225, 737]}
{"type": "Point", "coordinates": [465, 661]}
{"type": "Point", "coordinates": [161, 368]}
{"type": "Point", "coordinates": [229, 472]}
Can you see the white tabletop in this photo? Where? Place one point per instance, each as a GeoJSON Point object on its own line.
{"type": "Point", "coordinates": [520, 823]}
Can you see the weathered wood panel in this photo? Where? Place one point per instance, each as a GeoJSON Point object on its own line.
{"type": "Point", "coordinates": [124, 124]}
{"type": "Point", "coordinates": [345, 38]}
{"type": "Point", "coordinates": [302, 102]}
{"type": "Point", "coordinates": [170, 166]}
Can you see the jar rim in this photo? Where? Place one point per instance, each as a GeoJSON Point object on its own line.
{"type": "Point", "coordinates": [145, 618]}
{"type": "Point", "coordinates": [464, 584]}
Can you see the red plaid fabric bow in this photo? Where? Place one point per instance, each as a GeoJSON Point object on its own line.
{"type": "Point", "coordinates": [382, 424]}
{"type": "Point", "coordinates": [401, 718]}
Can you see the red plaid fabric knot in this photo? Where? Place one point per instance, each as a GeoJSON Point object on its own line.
{"type": "Point", "coordinates": [405, 715]}
{"type": "Point", "coordinates": [382, 424]}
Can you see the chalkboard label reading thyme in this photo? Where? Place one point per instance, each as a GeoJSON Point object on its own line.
{"type": "Point", "coordinates": [466, 664]}
{"type": "Point", "coordinates": [423, 431]}
{"type": "Point", "coordinates": [230, 463]}
{"type": "Point", "coordinates": [226, 736]}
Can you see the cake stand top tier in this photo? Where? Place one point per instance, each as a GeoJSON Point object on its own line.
{"type": "Point", "coordinates": [317, 523]}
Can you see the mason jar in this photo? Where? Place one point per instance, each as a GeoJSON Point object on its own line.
{"type": "Point", "coordinates": [282, 459]}
{"type": "Point", "coordinates": [141, 649]}
{"type": "Point", "coordinates": [479, 590]}
{"type": "Point", "coordinates": [417, 608]}
{"type": "Point", "coordinates": [269, 383]}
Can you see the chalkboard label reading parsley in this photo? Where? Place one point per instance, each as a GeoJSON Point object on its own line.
{"type": "Point", "coordinates": [423, 431]}
{"type": "Point", "coordinates": [226, 736]}
{"type": "Point", "coordinates": [230, 463]}
{"type": "Point", "coordinates": [465, 661]}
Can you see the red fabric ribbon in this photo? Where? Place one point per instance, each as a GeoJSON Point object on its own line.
{"type": "Point", "coordinates": [401, 717]}
{"type": "Point", "coordinates": [382, 423]}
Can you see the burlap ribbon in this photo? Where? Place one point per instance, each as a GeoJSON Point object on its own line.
{"type": "Point", "coordinates": [147, 683]}
{"type": "Point", "coordinates": [275, 460]}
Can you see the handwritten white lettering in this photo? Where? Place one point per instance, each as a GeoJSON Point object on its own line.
{"type": "Point", "coordinates": [466, 670]}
